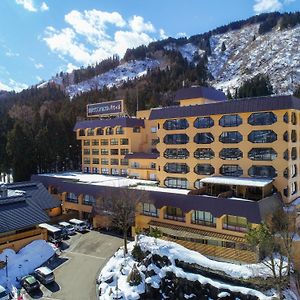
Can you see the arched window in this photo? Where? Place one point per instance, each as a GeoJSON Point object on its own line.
{"type": "Point", "coordinates": [231, 170]}
{"type": "Point", "coordinates": [174, 182]}
{"type": "Point", "coordinates": [204, 153]}
{"type": "Point", "coordinates": [262, 154]}
{"type": "Point", "coordinates": [109, 131]}
{"type": "Point", "coordinates": [99, 131]}
{"type": "Point", "coordinates": [176, 124]}
{"type": "Point", "coordinates": [204, 169]}
{"type": "Point", "coordinates": [204, 122]}
{"type": "Point", "coordinates": [230, 137]}
{"type": "Point", "coordinates": [176, 153]}
{"type": "Point", "coordinates": [262, 118]}
{"type": "Point", "coordinates": [230, 121]}
{"type": "Point", "coordinates": [262, 172]}
{"type": "Point", "coordinates": [262, 136]}
{"type": "Point", "coordinates": [176, 139]}
{"type": "Point", "coordinates": [231, 154]}
{"type": "Point", "coordinates": [203, 138]}
{"type": "Point", "coordinates": [176, 168]}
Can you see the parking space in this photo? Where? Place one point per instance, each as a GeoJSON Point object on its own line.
{"type": "Point", "coordinates": [82, 259]}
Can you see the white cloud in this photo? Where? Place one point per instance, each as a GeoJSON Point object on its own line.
{"type": "Point", "coordinates": [29, 5]}
{"type": "Point", "coordinates": [94, 35]}
{"type": "Point", "coordinates": [262, 6]}
{"type": "Point", "coordinates": [12, 85]}
{"type": "Point", "coordinates": [162, 34]}
{"type": "Point", "coordinates": [181, 34]}
{"type": "Point", "coordinates": [137, 24]}
{"type": "Point", "coordinates": [44, 7]}
{"type": "Point", "coordinates": [71, 67]}
{"type": "Point", "coordinates": [39, 66]}
{"type": "Point", "coordinates": [38, 78]}
{"type": "Point", "coordinates": [10, 53]}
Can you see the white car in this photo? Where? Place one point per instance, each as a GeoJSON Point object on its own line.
{"type": "Point", "coordinates": [70, 228]}
{"type": "Point", "coordinates": [78, 224]}
{"type": "Point", "coordinates": [3, 293]}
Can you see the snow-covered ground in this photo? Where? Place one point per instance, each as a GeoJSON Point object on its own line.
{"type": "Point", "coordinates": [24, 262]}
{"type": "Point", "coordinates": [187, 51]}
{"type": "Point", "coordinates": [118, 268]}
{"type": "Point", "coordinates": [116, 76]}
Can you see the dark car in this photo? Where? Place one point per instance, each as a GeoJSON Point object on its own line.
{"type": "Point", "coordinates": [44, 275]}
{"type": "Point", "coordinates": [29, 283]}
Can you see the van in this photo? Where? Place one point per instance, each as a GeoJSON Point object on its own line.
{"type": "Point", "coordinates": [3, 293]}
{"type": "Point", "coordinates": [78, 224]}
{"type": "Point", "coordinates": [70, 228]}
{"type": "Point", "coordinates": [54, 233]}
{"type": "Point", "coordinates": [44, 275]}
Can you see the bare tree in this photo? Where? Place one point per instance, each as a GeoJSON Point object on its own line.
{"type": "Point", "coordinates": [121, 205]}
{"type": "Point", "coordinates": [274, 239]}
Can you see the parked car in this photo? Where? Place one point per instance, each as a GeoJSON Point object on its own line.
{"type": "Point", "coordinates": [78, 224]}
{"type": "Point", "coordinates": [3, 293]}
{"type": "Point", "coordinates": [44, 275]}
{"type": "Point", "coordinates": [64, 232]}
{"type": "Point", "coordinates": [29, 283]}
{"type": "Point", "coordinates": [70, 228]}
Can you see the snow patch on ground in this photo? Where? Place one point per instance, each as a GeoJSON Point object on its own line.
{"type": "Point", "coordinates": [24, 262]}
{"type": "Point", "coordinates": [116, 271]}
{"type": "Point", "coordinates": [187, 51]}
{"type": "Point", "coordinates": [114, 77]}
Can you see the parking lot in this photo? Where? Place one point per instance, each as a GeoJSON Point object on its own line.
{"type": "Point", "coordinates": [82, 259]}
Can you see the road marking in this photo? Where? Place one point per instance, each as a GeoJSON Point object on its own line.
{"type": "Point", "coordinates": [88, 255]}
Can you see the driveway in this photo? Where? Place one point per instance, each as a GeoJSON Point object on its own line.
{"type": "Point", "coordinates": [76, 278]}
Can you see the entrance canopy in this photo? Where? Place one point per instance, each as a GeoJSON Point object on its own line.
{"type": "Point", "coordinates": [253, 182]}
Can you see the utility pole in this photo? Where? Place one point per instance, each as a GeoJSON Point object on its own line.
{"type": "Point", "coordinates": [137, 99]}
{"type": "Point", "coordinates": [6, 270]}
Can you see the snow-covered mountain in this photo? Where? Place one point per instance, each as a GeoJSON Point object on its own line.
{"type": "Point", "coordinates": [234, 57]}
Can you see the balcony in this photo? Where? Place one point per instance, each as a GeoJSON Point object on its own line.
{"type": "Point", "coordinates": [174, 218]}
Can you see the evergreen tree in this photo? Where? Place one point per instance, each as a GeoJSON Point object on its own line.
{"type": "Point", "coordinates": [223, 47]}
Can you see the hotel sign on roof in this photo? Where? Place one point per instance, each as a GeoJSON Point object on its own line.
{"type": "Point", "coordinates": [105, 108]}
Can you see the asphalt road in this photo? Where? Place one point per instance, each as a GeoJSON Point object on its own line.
{"type": "Point", "coordinates": [76, 277]}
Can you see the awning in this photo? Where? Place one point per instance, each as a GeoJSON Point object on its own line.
{"type": "Point", "coordinates": [254, 182]}
{"type": "Point", "coordinates": [182, 231]}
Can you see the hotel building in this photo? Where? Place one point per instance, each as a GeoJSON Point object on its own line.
{"type": "Point", "coordinates": [213, 167]}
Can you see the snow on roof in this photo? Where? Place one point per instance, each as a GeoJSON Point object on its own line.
{"type": "Point", "coordinates": [161, 189]}
{"type": "Point", "coordinates": [237, 181]}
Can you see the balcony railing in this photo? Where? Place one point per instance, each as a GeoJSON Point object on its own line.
{"type": "Point", "coordinates": [174, 218]}
{"type": "Point", "coordinates": [204, 223]}
{"type": "Point", "coordinates": [235, 228]}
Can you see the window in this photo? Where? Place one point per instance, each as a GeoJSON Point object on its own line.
{"type": "Point", "coordinates": [119, 130]}
{"type": "Point", "coordinates": [294, 188]}
{"type": "Point", "coordinates": [286, 117]}
{"type": "Point", "coordinates": [86, 160]}
{"type": "Point", "coordinates": [294, 118]}
{"type": "Point", "coordinates": [152, 165]}
{"type": "Point", "coordinates": [198, 184]}
{"type": "Point", "coordinates": [95, 161]}
{"type": "Point", "coordinates": [114, 142]}
{"type": "Point", "coordinates": [235, 223]}
{"type": "Point", "coordinates": [95, 170]}
{"type": "Point", "coordinates": [95, 142]}
{"type": "Point", "coordinates": [175, 124]}
{"type": "Point", "coordinates": [294, 136]}
{"type": "Point", "coordinates": [135, 165]}
{"type": "Point", "coordinates": [230, 121]}
{"type": "Point", "coordinates": [262, 118]}
{"type": "Point", "coordinates": [95, 151]}
{"type": "Point", "coordinates": [230, 137]}
{"type": "Point", "coordinates": [89, 200]}
{"type": "Point", "coordinates": [286, 136]}
{"type": "Point", "coordinates": [81, 132]}
{"type": "Point", "coordinates": [293, 171]}
{"type": "Point", "coordinates": [114, 151]}
{"type": "Point", "coordinates": [262, 172]}
{"type": "Point", "coordinates": [154, 142]}
{"type": "Point", "coordinates": [262, 136]}
{"type": "Point", "coordinates": [86, 143]}
{"type": "Point", "coordinates": [86, 151]}
{"type": "Point", "coordinates": [286, 173]}
{"type": "Point", "coordinates": [176, 153]}
{"type": "Point", "coordinates": [109, 131]}
{"type": "Point", "coordinates": [286, 154]}
{"type": "Point", "coordinates": [231, 170]}
{"type": "Point", "coordinates": [104, 161]}
{"type": "Point", "coordinates": [124, 141]}
{"type": "Point", "coordinates": [124, 151]}
{"type": "Point", "coordinates": [176, 139]}
{"type": "Point", "coordinates": [149, 209]}
{"type": "Point", "coordinates": [173, 182]}
{"type": "Point", "coordinates": [174, 213]}
{"type": "Point", "coordinates": [153, 129]}
{"type": "Point", "coordinates": [123, 172]}
{"type": "Point", "coordinates": [124, 162]}
{"type": "Point", "coordinates": [262, 154]}
{"type": "Point", "coordinates": [204, 122]}
{"type": "Point", "coordinates": [99, 131]}
{"type": "Point", "coordinates": [104, 142]}
{"type": "Point", "coordinates": [115, 172]}
{"type": "Point", "coordinates": [204, 153]}
{"type": "Point", "coordinates": [105, 171]}
{"type": "Point", "coordinates": [204, 169]}
{"type": "Point", "coordinates": [71, 197]}
{"type": "Point", "coordinates": [231, 154]}
{"type": "Point", "coordinates": [176, 168]}
{"type": "Point", "coordinates": [203, 218]}
{"type": "Point", "coordinates": [114, 161]}
{"type": "Point", "coordinates": [136, 129]}
{"type": "Point", "coordinates": [294, 153]}
{"type": "Point", "coordinates": [204, 138]}
{"type": "Point", "coordinates": [90, 132]}
{"type": "Point", "coordinates": [104, 151]}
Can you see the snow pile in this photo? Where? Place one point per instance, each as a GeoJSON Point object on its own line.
{"type": "Point", "coordinates": [116, 271]}
{"type": "Point", "coordinates": [116, 76]}
{"type": "Point", "coordinates": [247, 54]}
{"type": "Point", "coordinates": [24, 262]}
{"type": "Point", "coordinates": [188, 51]}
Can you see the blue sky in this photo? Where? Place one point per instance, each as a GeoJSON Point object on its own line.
{"type": "Point", "coordinates": [39, 38]}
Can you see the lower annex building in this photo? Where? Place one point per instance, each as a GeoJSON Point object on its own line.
{"type": "Point", "coordinates": [212, 167]}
